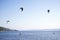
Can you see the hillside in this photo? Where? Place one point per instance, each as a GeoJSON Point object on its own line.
{"type": "Point", "coordinates": [6, 29]}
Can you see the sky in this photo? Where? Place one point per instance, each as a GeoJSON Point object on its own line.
{"type": "Point", "coordinates": [34, 15]}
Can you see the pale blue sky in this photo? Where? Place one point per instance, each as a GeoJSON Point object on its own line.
{"type": "Point", "coordinates": [34, 15]}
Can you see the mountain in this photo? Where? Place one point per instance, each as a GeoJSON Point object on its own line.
{"type": "Point", "coordinates": [6, 29]}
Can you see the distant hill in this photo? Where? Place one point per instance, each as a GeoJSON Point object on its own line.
{"type": "Point", "coordinates": [6, 29]}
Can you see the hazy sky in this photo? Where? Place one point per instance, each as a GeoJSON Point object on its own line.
{"type": "Point", "coordinates": [34, 15]}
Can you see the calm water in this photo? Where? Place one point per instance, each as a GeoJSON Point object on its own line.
{"type": "Point", "coordinates": [30, 35]}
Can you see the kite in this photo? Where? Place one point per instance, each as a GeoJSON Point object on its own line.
{"type": "Point", "coordinates": [48, 10]}
{"type": "Point", "coordinates": [21, 9]}
{"type": "Point", "coordinates": [7, 21]}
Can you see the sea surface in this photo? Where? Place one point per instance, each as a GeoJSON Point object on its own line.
{"type": "Point", "coordinates": [30, 35]}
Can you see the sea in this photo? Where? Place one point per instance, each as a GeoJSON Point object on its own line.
{"type": "Point", "coordinates": [30, 35]}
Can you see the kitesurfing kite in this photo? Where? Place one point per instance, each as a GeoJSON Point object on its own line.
{"type": "Point", "coordinates": [48, 10]}
{"type": "Point", "coordinates": [21, 9]}
{"type": "Point", "coordinates": [7, 21]}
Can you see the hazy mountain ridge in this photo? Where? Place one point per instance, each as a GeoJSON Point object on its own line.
{"type": "Point", "coordinates": [6, 29]}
